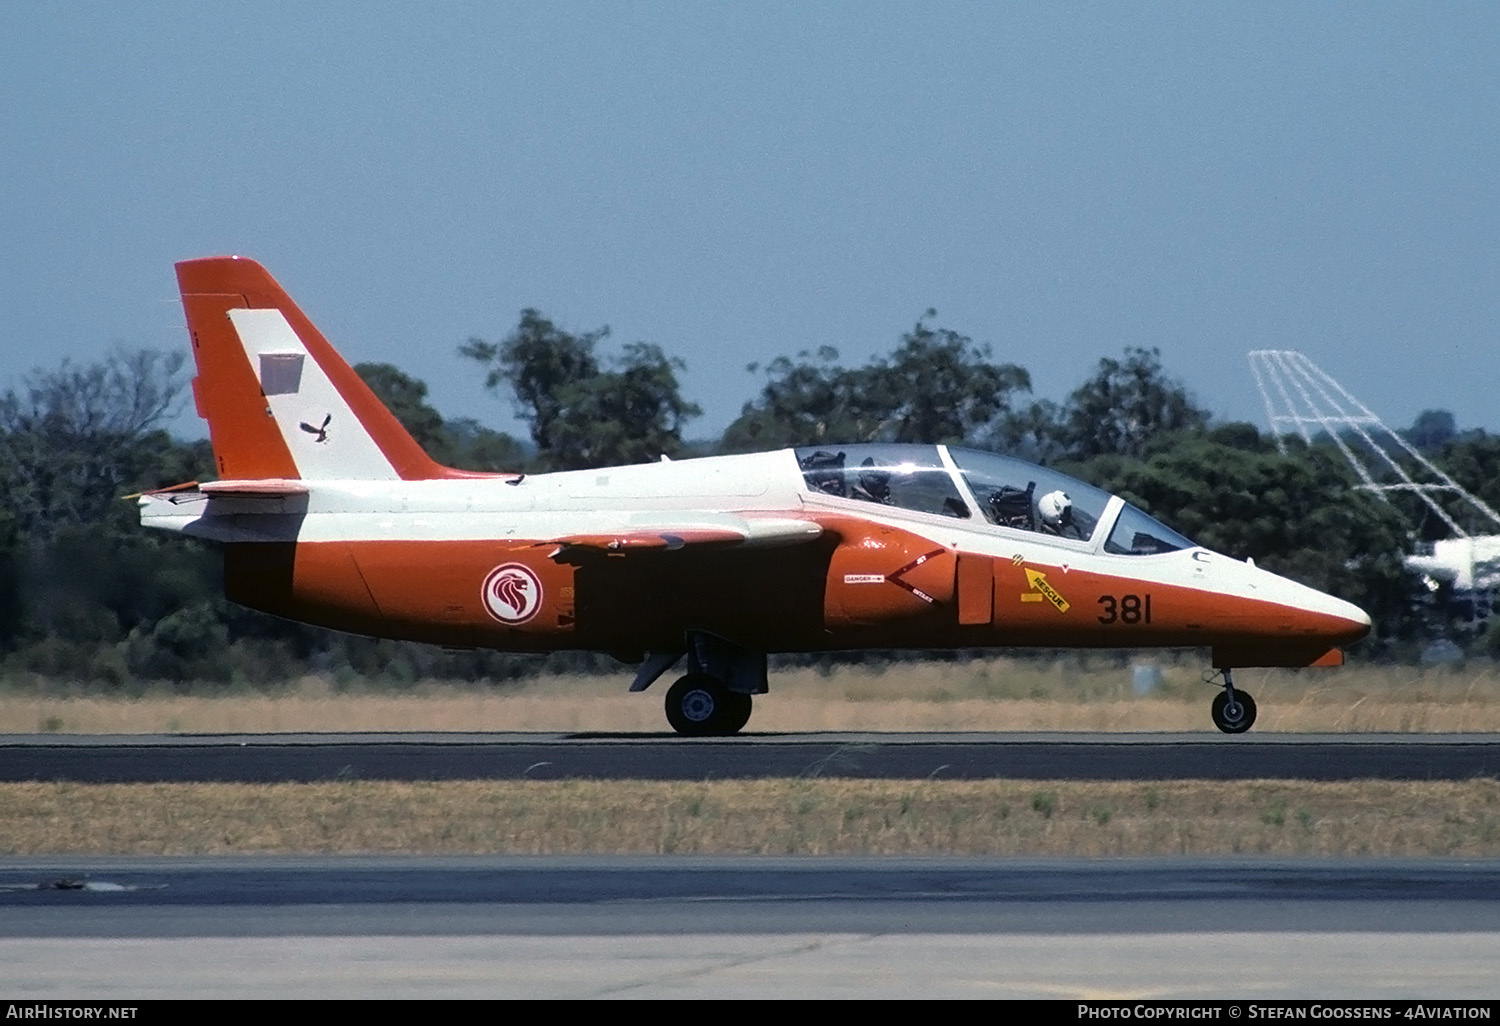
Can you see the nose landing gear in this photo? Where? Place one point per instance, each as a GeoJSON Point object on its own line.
{"type": "Point", "coordinates": [1233, 711]}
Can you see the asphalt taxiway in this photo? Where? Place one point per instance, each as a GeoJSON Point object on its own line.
{"type": "Point", "coordinates": [276, 758]}
{"type": "Point", "coordinates": [385, 927]}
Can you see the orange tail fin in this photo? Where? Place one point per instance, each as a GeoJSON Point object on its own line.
{"type": "Point", "coordinates": [279, 400]}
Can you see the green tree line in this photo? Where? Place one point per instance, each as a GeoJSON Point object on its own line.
{"type": "Point", "coordinates": [87, 595]}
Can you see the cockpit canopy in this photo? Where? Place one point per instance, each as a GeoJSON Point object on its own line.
{"type": "Point", "coordinates": [1004, 492]}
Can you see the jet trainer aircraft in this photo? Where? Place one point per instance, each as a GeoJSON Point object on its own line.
{"type": "Point", "coordinates": [330, 513]}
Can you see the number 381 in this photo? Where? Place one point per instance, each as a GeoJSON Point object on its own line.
{"type": "Point", "coordinates": [1131, 609]}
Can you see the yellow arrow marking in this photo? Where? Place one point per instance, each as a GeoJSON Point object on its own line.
{"type": "Point", "coordinates": [1038, 582]}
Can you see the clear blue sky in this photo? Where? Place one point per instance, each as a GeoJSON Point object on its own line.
{"type": "Point", "coordinates": [738, 181]}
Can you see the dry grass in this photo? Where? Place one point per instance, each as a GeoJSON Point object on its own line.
{"type": "Point", "coordinates": [785, 817]}
{"type": "Point", "coordinates": [810, 817]}
{"type": "Point", "coordinates": [993, 694]}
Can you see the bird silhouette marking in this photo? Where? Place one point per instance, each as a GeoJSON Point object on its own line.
{"type": "Point", "coordinates": [321, 432]}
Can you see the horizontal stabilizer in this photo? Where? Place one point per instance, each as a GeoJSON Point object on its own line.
{"type": "Point", "coordinates": [194, 491]}
{"type": "Point", "coordinates": [270, 486]}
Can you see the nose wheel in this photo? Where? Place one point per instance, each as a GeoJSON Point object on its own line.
{"type": "Point", "coordinates": [700, 706]}
{"type": "Point", "coordinates": [1233, 710]}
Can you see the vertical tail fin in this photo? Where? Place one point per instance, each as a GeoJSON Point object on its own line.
{"type": "Point", "coordinates": [279, 400]}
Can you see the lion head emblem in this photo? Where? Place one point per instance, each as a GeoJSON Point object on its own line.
{"type": "Point", "coordinates": [512, 593]}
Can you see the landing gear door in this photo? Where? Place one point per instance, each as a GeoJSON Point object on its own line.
{"type": "Point", "coordinates": [975, 589]}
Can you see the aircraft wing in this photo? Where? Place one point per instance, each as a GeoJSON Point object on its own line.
{"type": "Point", "coordinates": [709, 531]}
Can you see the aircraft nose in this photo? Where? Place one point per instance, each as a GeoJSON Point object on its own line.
{"type": "Point", "coordinates": [1355, 621]}
{"type": "Point", "coordinates": [1311, 613]}
{"type": "Point", "coordinates": [1339, 621]}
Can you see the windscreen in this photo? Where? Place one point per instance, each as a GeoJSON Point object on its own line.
{"type": "Point", "coordinates": [1136, 534]}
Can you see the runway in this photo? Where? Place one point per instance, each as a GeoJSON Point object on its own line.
{"type": "Point", "coordinates": [770, 928]}
{"type": "Point", "coordinates": [275, 758]}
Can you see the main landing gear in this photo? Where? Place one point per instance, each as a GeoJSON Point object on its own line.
{"type": "Point", "coordinates": [700, 706]}
{"type": "Point", "coordinates": [1233, 710]}
{"type": "Point", "coordinates": [714, 698]}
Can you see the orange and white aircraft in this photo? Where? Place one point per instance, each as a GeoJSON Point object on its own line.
{"type": "Point", "coordinates": [331, 514]}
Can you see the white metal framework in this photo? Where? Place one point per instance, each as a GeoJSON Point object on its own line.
{"type": "Point", "coordinates": [1299, 396]}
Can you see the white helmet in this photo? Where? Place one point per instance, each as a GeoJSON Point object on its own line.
{"type": "Point", "coordinates": [1055, 508]}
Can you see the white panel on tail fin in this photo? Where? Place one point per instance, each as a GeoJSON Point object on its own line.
{"type": "Point", "coordinates": [326, 440]}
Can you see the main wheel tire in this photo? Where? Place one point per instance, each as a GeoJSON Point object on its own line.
{"type": "Point", "coordinates": [699, 706]}
{"type": "Point", "coordinates": [1236, 718]}
{"type": "Point", "coordinates": [737, 706]}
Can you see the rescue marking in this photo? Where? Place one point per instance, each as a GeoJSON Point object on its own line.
{"type": "Point", "coordinates": [1038, 582]}
{"type": "Point", "coordinates": [512, 593]}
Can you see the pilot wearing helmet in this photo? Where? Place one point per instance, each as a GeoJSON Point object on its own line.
{"type": "Point", "coordinates": [1055, 513]}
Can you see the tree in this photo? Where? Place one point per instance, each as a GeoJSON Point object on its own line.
{"type": "Point", "coordinates": [1432, 430]}
{"type": "Point", "coordinates": [476, 447]}
{"type": "Point", "coordinates": [1473, 460]}
{"type": "Point", "coordinates": [942, 387]}
{"type": "Point", "coordinates": [633, 414]}
{"type": "Point", "coordinates": [806, 401]}
{"type": "Point", "coordinates": [11, 608]}
{"type": "Point", "coordinates": [1126, 407]}
{"type": "Point", "coordinates": [78, 570]}
{"type": "Point", "coordinates": [72, 439]}
{"type": "Point", "coordinates": [938, 386]}
{"type": "Point", "coordinates": [406, 397]}
{"type": "Point", "coordinates": [580, 414]}
{"type": "Point", "coordinates": [539, 361]}
{"type": "Point", "coordinates": [1033, 433]}
{"type": "Point", "coordinates": [462, 443]}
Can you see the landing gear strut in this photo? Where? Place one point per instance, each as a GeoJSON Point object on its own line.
{"type": "Point", "coordinates": [1233, 710]}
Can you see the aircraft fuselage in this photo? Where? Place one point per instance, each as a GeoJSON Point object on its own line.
{"type": "Point", "coordinates": [418, 560]}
